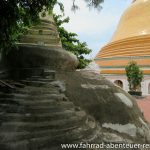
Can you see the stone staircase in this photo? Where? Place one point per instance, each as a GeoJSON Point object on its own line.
{"type": "Point", "coordinates": [39, 116]}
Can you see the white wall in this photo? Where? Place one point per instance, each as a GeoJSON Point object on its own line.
{"type": "Point", "coordinates": [144, 84]}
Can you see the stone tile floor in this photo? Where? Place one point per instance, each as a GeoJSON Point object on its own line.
{"type": "Point", "coordinates": [144, 104]}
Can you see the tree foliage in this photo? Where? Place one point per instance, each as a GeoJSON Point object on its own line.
{"type": "Point", "coordinates": [17, 14]}
{"type": "Point", "coordinates": [90, 3]}
{"type": "Point", "coordinates": [134, 76]}
{"type": "Point", "coordinates": [71, 43]}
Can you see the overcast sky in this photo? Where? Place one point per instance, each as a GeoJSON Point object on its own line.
{"type": "Point", "coordinates": [93, 27]}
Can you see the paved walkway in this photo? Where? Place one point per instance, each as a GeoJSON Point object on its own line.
{"type": "Point", "coordinates": [144, 105]}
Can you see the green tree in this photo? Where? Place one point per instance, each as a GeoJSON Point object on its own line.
{"type": "Point", "coordinates": [134, 76]}
{"type": "Point", "coordinates": [71, 43]}
{"type": "Point", "coordinates": [15, 15]}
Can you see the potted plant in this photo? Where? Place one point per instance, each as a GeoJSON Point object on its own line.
{"type": "Point", "coordinates": [134, 77]}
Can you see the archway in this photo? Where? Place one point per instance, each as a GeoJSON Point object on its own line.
{"type": "Point", "coordinates": [119, 83]}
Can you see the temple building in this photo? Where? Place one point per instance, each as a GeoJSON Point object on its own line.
{"type": "Point", "coordinates": [131, 41]}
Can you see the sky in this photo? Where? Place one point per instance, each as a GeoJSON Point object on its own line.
{"type": "Point", "coordinates": [94, 27]}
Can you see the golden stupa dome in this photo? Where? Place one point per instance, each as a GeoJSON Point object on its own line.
{"type": "Point", "coordinates": [131, 41]}
{"type": "Point", "coordinates": [135, 21]}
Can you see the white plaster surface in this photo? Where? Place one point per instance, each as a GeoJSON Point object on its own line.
{"type": "Point", "coordinates": [92, 86]}
{"type": "Point", "coordinates": [124, 99]}
{"type": "Point", "coordinates": [93, 66]}
{"type": "Point", "coordinates": [143, 122]}
{"type": "Point", "coordinates": [145, 84]}
{"type": "Point", "coordinates": [129, 128]}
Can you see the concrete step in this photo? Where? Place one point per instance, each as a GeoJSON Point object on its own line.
{"type": "Point", "coordinates": [47, 103]}
{"type": "Point", "coordinates": [4, 108]}
{"type": "Point", "coordinates": [9, 101]}
{"type": "Point", "coordinates": [39, 90]}
{"type": "Point", "coordinates": [40, 40]}
{"type": "Point", "coordinates": [37, 106]}
{"type": "Point", "coordinates": [5, 95]}
{"type": "Point", "coordinates": [40, 79]}
{"type": "Point", "coordinates": [17, 136]}
{"type": "Point", "coordinates": [39, 117]}
{"type": "Point", "coordinates": [29, 117]}
{"type": "Point", "coordinates": [32, 97]}
{"type": "Point", "coordinates": [48, 21]}
{"type": "Point", "coordinates": [44, 28]}
{"type": "Point", "coordinates": [32, 110]}
{"type": "Point", "coordinates": [33, 83]}
{"type": "Point", "coordinates": [49, 73]}
{"type": "Point", "coordinates": [43, 110]}
{"type": "Point", "coordinates": [22, 145]}
{"type": "Point", "coordinates": [28, 102]}
{"type": "Point", "coordinates": [48, 24]}
{"type": "Point", "coordinates": [43, 139]}
{"type": "Point", "coordinates": [68, 137]}
{"type": "Point", "coordinates": [40, 37]}
{"type": "Point", "coordinates": [43, 125]}
{"type": "Point", "coordinates": [44, 32]}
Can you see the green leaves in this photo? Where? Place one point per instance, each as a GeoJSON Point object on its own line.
{"type": "Point", "coordinates": [71, 43]}
{"type": "Point", "coordinates": [90, 3]}
{"type": "Point", "coordinates": [61, 6]}
{"type": "Point", "coordinates": [94, 4]}
{"type": "Point", "coordinates": [134, 75]}
{"type": "Point", "coordinates": [16, 15]}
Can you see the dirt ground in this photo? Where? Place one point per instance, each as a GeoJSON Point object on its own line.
{"type": "Point", "coordinates": [144, 104]}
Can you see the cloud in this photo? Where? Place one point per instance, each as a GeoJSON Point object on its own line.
{"type": "Point", "coordinates": [93, 27]}
{"type": "Point", "coordinates": [88, 22]}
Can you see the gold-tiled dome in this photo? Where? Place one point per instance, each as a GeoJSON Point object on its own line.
{"type": "Point", "coordinates": [131, 41]}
